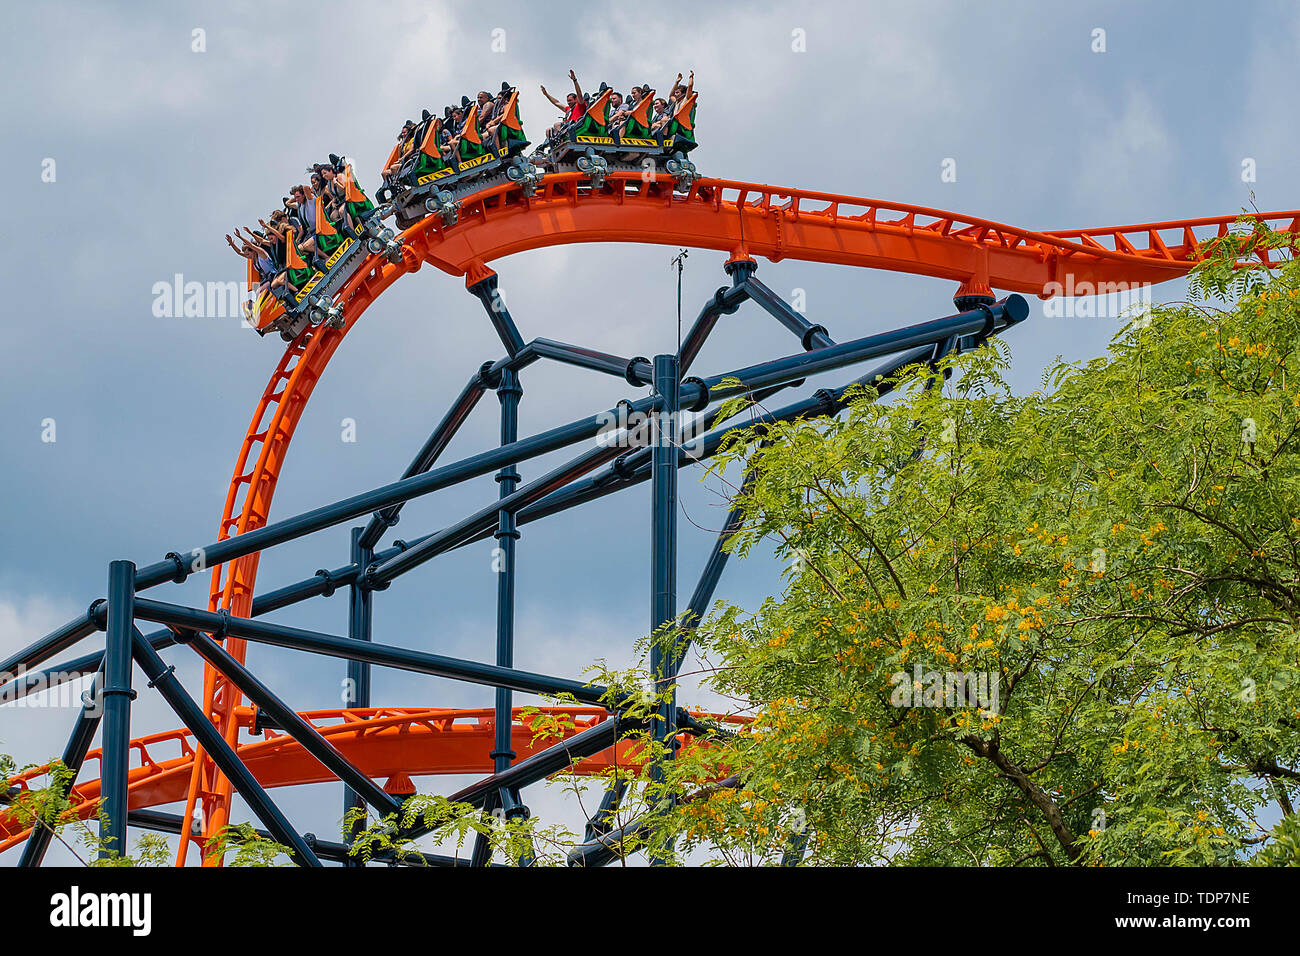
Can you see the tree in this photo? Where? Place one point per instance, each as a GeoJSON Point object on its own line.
{"type": "Point", "coordinates": [1050, 629]}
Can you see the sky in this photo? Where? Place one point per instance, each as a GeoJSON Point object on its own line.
{"type": "Point", "coordinates": [133, 143]}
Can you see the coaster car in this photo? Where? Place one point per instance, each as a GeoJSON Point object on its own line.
{"type": "Point", "coordinates": [592, 144]}
{"type": "Point", "coordinates": [432, 179]}
{"type": "Point", "coordinates": [342, 251]}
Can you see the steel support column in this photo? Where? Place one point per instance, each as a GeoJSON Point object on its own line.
{"type": "Point", "coordinates": [810, 336]}
{"type": "Point", "coordinates": [486, 290]}
{"type": "Point", "coordinates": [509, 393]}
{"type": "Point", "coordinates": [117, 694]}
{"type": "Point", "coordinates": [663, 544]}
{"type": "Point", "coordinates": [357, 688]}
{"type": "Point", "coordinates": [507, 534]}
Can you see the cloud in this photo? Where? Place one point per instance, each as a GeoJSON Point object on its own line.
{"type": "Point", "coordinates": [1126, 151]}
{"type": "Point", "coordinates": [26, 617]}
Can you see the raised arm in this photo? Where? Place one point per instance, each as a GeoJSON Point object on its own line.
{"type": "Point", "coordinates": [576, 88]}
{"type": "Point", "coordinates": [558, 105]}
{"type": "Point", "coordinates": [690, 86]}
{"type": "Point", "coordinates": [269, 227]}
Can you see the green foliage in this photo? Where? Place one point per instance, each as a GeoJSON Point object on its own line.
{"type": "Point", "coordinates": [1116, 557]}
{"type": "Point", "coordinates": [239, 844]}
{"type": "Point", "coordinates": [1219, 278]}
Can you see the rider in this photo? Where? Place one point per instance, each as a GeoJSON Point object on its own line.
{"type": "Point", "coordinates": [679, 95]}
{"type": "Point", "coordinates": [405, 140]}
{"type": "Point", "coordinates": [302, 216]}
{"type": "Point", "coordinates": [662, 114]}
{"type": "Point", "coordinates": [499, 112]}
{"type": "Point", "coordinates": [356, 204]}
{"type": "Point", "coordinates": [486, 107]}
{"type": "Point", "coordinates": [258, 256]}
{"type": "Point", "coordinates": [624, 107]}
{"type": "Point", "coordinates": [616, 108]}
{"type": "Point", "coordinates": [573, 112]}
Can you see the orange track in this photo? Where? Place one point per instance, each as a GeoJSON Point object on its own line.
{"type": "Point", "coordinates": [381, 742]}
{"type": "Point", "coordinates": [742, 219]}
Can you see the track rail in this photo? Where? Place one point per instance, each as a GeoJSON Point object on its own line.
{"type": "Point", "coordinates": [381, 742]}
{"type": "Point", "coordinates": [745, 220]}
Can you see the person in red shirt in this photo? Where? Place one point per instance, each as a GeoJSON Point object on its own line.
{"type": "Point", "coordinates": [575, 109]}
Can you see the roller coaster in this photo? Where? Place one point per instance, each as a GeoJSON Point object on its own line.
{"type": "Point", "coordinates": [239, 736]}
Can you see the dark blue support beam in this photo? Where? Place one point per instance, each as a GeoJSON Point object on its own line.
{"type": "Point", "coordinates": [322, 583]}
{"type": "Point", "coordinates": [223, 755]}
{"type": "Point", "coordinates": [601, 822]}
{"type": "Point", "coordinates": [495, 304]}
{"type": "Point", "coordinates": [539, 766]}
{"type": "Point", "coordinates": [550, 761]}
{"type": "Point", "coordinates": [117, 694]}
{"type": "Point", "coordinates": [663, 538]}
{"type": "Point", "coordinates": [980, 322]}
{"type": "Point", "coordinates": [74, 754]}
{"type": "Point", "coordinates": [611, 844]}
{"type": "Point", "coordinates": [357, 688]}
{"type": "Point", "coordinates": [635, 371]}
{"type": "Point", "coordinates": [481, 854]}
{"type": "Point", "coordinates": [503, 563]}
{"type": "Point", "coordinates": [507, 535]}
{"type": "Point", "coordinates": [514, 810]}
{"type": "Point", "coordinates": [810, 336]}
{"type": "Point", "coordinates": [663, 554]}
{"type": "Point", "coordinates": [384, 655]}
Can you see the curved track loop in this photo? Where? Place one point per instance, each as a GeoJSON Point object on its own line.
{"type": "Point", "coordinates": [743, 219]}
{"type": "Point", "coordinates": [381, 742]}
